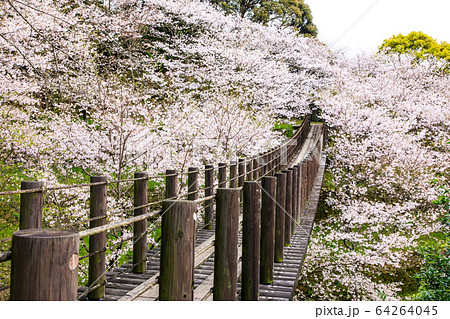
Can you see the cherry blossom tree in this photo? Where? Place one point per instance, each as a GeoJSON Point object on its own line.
{"type": "Point", "coordinates": [92, 87]}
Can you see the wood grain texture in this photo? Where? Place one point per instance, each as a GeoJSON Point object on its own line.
{"type": "Point", "coordinates": [251, 240]}
{"type": "Point", "coordinates": [288, 208]}
{"type": "Point", "coordinates": [268, 207]}
{"type": "Point", "coordinates": [192, 183]}
{"type": "Point", "coordinates": [233, 175]}
{"type": "Point", "coordinates": [176, 281]}
{"type": "Point", "coordinates": [44, 265]}
{"type": "Point", "coordinates": [31, 205]}
{"type": "Point", "coordinates": [97, 242]}
{"type": "Point", "coordinates": [140, 227]}
{"type": "Point", "coordinates": [209, 190]}
{"type": "Point", "coordinates": [222, 175]}
{"type": "Point", "coordinates": [280, 217]}
{"type": "Point", "coordinates": [171, 183]}
{"type": "Point", "coordinates": [226, 244]}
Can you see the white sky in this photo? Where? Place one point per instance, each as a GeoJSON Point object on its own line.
{"type": "Point", "coordinates": [362, 25]}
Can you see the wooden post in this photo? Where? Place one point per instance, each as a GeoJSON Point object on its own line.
{"type": "Point", "coordinates": [176, 281]}
{"type": "Point", "coordinates": [309, 175]}
{"type": "Point", "coordinates": [249, 169]}
{"type": "Point", "coordinates": [271, 164]}
{"type": "Point", "coordinates": [264, 166]}
{"type": "Point", "coordinates": [301, 186]}
{"type": "Point", "coordinates": [280, 217]}
{"type": "Point", "coordinates": [288, 208]}
{"type": "Point", "coordinates": [97, 242]}
{"type": "Point", "coordinates": [209, 190]}
{"type": "Point", "coordinates": [192, 183]}
{"type": "Point", "coordinates": [266, 163]}
{"type": "Point", "coordinates": [193, 186]}
{"type": "Point", "coordinates": [140, 227]}
{"type": "Point", "coordinates": [299, 192]}
{"type": "Point", "coordinates": [255, 169]}
{"type": "Point", "coordinates": [251, 241]}
{"type": "Point", "coordinates": [304, 199]}
{"type": "Point", "coordinates": [226, 242]}
{"type": "Point", "coordinates": [268, 207]}
{"type": "Point", "coordinates": [278, 161]}
{"type": "Point", "coordinates": [233, 175]}
{"type": "Point", "coordinates": [294, 199]}
{"type": "Point", "coordinates": [171, 184]}
{"type": "Point", "coordinates": [241, 177]}
{"type": "Point", "coordinates": [312, 173]}
{"type": "Point", "coordinates": [260, 162]}
{"type": "Point", "coordinates": [31, 205]}
{"type": "Point", "coordinates": [222, 175]}
{"type": "Point", "coordinates": [44, 265]}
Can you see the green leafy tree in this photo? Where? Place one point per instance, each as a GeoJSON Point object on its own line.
{"type": "Point", "coordinates": [434, 276]}
{"type": "Point", "coordinates": [419, 45]}
{"type": "Point", "coordinates": [283, 13]}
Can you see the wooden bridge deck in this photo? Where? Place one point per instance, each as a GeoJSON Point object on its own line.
{"type": "Point", "coordinates": [123, 285]}
{"type": "Point", "coordinates": [286, 274]}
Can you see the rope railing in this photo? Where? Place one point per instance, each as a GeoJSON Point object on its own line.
{"type": "Point", "coordinates": [133, 219]}
{"type": "Point", "coordinates": [239, 172]}
{"type": "Point", "coordinates": [53, 188]}
{"type": "Point", "coordinates": [122, 223]}
{"type": "Point", "coordinates": [100, 229]}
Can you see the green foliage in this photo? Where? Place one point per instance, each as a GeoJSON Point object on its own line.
{"type": "Point", "coordinates": [419, 45]}
{"type": "Point", "coordinates": [285, 128]}
{"type": "Point", "coordinates": [284, 13]}
{"type": "Point", "coordinates": [434, 276]}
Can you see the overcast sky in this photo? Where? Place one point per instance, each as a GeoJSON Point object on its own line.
{"type": "Point", "coordinates": [362, 25]}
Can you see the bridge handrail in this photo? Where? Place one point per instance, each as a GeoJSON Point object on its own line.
{"type": "Point", "coordinates": [271, 163]}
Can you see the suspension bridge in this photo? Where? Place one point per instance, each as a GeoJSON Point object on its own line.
{"type": "Point", "coordinates": [238, 231]}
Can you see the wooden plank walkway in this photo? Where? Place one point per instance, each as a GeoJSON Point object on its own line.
{"type": "Point", "coordinates": [124, 285]}
{"type": "Point", "coordinates": [286, 274]}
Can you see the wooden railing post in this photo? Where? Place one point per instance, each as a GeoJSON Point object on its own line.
{"type": "Point", "coordinates": [222, 175]}
{"type": "Point", "coordinates": [192, 183]}
{"type": "Point", "coordinates": [265, 164]}
{"type": "Point", "coordinates": [171, 183]}
{"type": "Point", "coordinates": [268, 207]}
{"type": "Point", "coordinates": [294, 200]}
{"type": "Point", "coordinates": [303, 189]}
{"type": "Point", "coordinates": [140, 227]}
{"type": "Point", "coordinates": [310, 175]}
{"type": "Point", "coordinates": [299, 191]}
{"type": "Point", "coordinates": [251, 241]}
{"type": "Point", "coordinates": [209, 190]}
{"type": "Point", "coordinates": [233, 175]}
{"type": "Point", "coordinates": [275, 161]}
{"type": "Point", "coordinates": [31, 205]}
{"type": "Point", "coordinates": [44, 265]}
{"type": "Point", "coordinates": [288, 208]}
{"type": "Point", "coordinates": [226, 244]}
{"type": "Point", "coordinates": [241, 176]}
{"type": "Point", "coordinates": [97, 242]}
{"type": "Point", "coordinates": [271, 164]}
{"type": "Point", "coordinates": [249, 170]}
{"type": "Point", "coordinates": [176, 281]}
{"type": "Point", "coordinates": [278, 154]}
{"type": "Point", "coordinates": [280, 217]}
{"type": "Point", "coordinates": [255, 169]}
